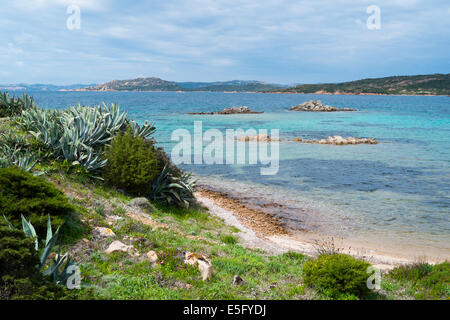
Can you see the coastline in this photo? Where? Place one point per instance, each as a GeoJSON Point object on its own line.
{"type": "Point", "coordinates": [261, 230]}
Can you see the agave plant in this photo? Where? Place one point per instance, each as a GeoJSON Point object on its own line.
{"type": "Point", "coordinates": [60, 261]}
{"type": "Point", "coordinates": [173, 190]}
{"type": "Point", "coordinates": [12, 155]}
{"type": "Point", "coordinates": [12, 106]}
{"type": "Point", "coordinates": [80, 134]}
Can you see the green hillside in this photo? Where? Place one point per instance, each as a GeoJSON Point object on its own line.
{"type": "Point", "coordinates": [434, 84]}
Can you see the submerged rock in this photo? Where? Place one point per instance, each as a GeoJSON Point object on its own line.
{"type": "Point", "coordinates": [259, 137]}
{"type": "Point", "coordinates": [231, 110]}
{"type": "Point", "coordinates": [317, 106]}
{"type": "Point", "coordinates": [339, 141]}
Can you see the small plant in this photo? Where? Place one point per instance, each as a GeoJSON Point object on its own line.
{"type": "Point", "coordinates": [21, 193]}
{"type": "Point", "coordinates": [171, 189]}
{"type": "Point", "coordinates": [132, 163]}
{"type": "Point", "coordinates": [63, 262]}
{"type": "Point", "coordinates": [337, 275]}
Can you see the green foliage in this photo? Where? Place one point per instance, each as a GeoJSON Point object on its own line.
{"type": "Point", "coordinates": [337, 275]}
{"type": "Point", "coordinates": [171, 189]}
{"type": "Point", "coordinates": [20, 276]}
{"type": "Point", "coordinates": [419, 84]}
{"type": "Point", "coordinates": [13, 106]}
{"type": "Point", "coordinates": [132, 163]}
{"type": "Point", "coordinates": [229, 239]}
{"type": "Point", "coordinates": [80, 134]}
{"type": "Point", "coordinates": [21, 193]}
{"type": "Point", "coordinates": [426, 280]}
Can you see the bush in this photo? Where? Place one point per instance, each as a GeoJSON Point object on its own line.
{"type": "Point", "coordinates": [21, 193]}
{"type": "Point", "coordinates": [132, 163]}
{"type": "Point", "coordinates": [337, 275]}
{"type": "Point", "coordinates": [20, 276]}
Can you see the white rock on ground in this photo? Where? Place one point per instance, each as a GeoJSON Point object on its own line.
{"type": "Point", "coordinates": [102, 232]}
{"type": "Point", "coordinates": [204, 265]}
{"type": "Point", "coordinates": [118, 246]}
{"type": "Point", "coordinates": [152, 256]}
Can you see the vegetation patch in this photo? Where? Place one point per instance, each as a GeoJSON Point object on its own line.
{"type": "Point", "coordinates": [337, 275]}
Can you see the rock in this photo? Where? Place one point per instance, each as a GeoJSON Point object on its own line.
{"type": "Point", "coordinates": [101, 232]}
{"type": "Point", "coordinates": [317, 106]}
{"type": "Point", "coordinates": [237, 280]}
{"type": "Point", "coordinates": [204, 265]}
{"type": "Point", "coordinates": [142, 203]}
{"type": "Point", "coordinates": [231, 110]}
{"type": "Point", "coordinates": [339, 141]}
{"type": "Point", "coordinates": [152, 256]}
{"type": "Point", "coordinates": [259, 138]}
{"type": "Point", "coordinates": [118, 246]}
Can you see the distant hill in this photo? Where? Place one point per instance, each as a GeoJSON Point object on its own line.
{"type": "Point", "coordinates": [157, 84]}
{"type": "Point", "coordinates": [139, 84]}
{"type": "Point", "coordinates": [433, 84]}
{"type": "Point", "coordinates": [41, 87]}
{"type": "Point", "coordinates": [234, 85]}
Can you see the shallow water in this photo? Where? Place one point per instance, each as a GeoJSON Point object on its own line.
{"type": "Point", "coordinates": [397, 191]}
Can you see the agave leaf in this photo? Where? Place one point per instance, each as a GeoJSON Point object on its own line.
{"type": "Point", "coordinates": [48, 248]}
{"type": "Point", "coordinates": [49, 231]}
{"type": "Point", "coordinates": [9, 223]}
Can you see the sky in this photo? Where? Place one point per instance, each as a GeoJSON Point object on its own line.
{"type": "Point", "coordinates": [277, 41]}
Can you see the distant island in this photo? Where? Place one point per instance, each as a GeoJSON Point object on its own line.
{"type": "Point", "coordinates": [157, 84]}
{"type": "Point", "coordinates": [434, 84]}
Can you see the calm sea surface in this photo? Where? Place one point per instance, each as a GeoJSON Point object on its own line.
{"type": "Point", "coordinates": [396, 192]}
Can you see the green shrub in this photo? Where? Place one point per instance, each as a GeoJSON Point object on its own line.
{"type": "Point", "coordinates": [132, 163]}
{"type": "Point", "coordinates": [20, 276]}
{"type": "Point", "coordinates": [337, 275]}
{"type": "Point", "coordinates": [21, 193]}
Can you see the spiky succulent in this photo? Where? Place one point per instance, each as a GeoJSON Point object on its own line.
{"type": "Point", "coordinates": [172, 189]}
{"type": "Point", "coordinates": [80, 134]}
{"type": "Point", "coordinates": [59, 262]}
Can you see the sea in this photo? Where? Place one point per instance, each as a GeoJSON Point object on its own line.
{"type": "Point", "coordinates": [394, 193]}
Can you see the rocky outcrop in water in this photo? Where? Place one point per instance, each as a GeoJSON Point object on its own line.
{"type": "Point", "coordinates": [339, 141]}
{"type": "Point", "coordinates": [259, 138]}
{"type": "Point", "coordinates": [231, 110]}
{"type": "Point", "coordinates": [317, 106]}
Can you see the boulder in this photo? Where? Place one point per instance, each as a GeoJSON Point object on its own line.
{"type": "Point", "coordinates": [203, 264]}
{"type": "Point", "coordinates": [101, 232]}
{"type": "Point", "coordinates": [152, 256]}
{"type": "Point", "coordinates": [118, 246]}
{"type": "Point", "coordinates": [231, 110]}
{"type": "Point", "coordinates": [317, 106]}
{"type": "Point", "coordinates": [237, 280]}
{"type": "Point", "coordinates": [258, 138]}
{"type": "Point", "coordinates": [339, 141]}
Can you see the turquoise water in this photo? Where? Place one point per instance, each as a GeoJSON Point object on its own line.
{"type": "Point", "coordinates": [397, 191]}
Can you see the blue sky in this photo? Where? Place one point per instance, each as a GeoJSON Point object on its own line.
{"type": "Point", "coordinates": [290, 41]}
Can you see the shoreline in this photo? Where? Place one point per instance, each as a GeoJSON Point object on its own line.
{"type": "Point", "coordinates": [261, 230]}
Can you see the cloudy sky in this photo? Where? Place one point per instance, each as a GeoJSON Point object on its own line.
{"type": "Point", "coordinates": [283, 41]}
